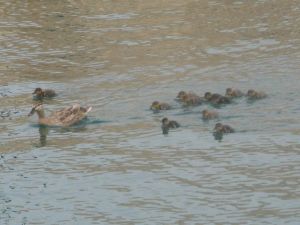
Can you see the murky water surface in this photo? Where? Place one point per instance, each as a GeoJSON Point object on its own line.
{"type": "Point", "coordinates": [119, 56]}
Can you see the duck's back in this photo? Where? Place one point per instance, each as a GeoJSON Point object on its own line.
{"type": "Point", "coordinates": [61, 114]}
{"type": "Point", "coordinates": [228, 129]}
{"type": "Point", "coordinates": [51, 121]}
{"type": "Point", "coordinates": [49, 93]}
{"type": "Point", "coordinates": [69, 115]}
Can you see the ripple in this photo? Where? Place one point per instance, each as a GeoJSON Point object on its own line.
{"type": "Point", "coordinates": [243, 46]}
{"type": "Point", "coordinates": [113, 16]}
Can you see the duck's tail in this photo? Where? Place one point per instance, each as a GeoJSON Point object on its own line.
{"type": "Point", "coordinates": [88, 109]}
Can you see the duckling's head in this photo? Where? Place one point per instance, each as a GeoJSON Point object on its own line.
{"type": "Point", "coordinates": [155, 105]}
{"type": "Point", "coordinates": [165, 121]}
{"type": "Point", "coordinates": [165, 125]}
{"type": "Point", "coordinates": [218, 127]}
{"type": "Point", "coordinates": [181, 94]}
{"type": "Point", "coordinates": [229, 91]}
{"type": "Point", "coordinates": [207, 95]}
{"type": "Point", "coordinates": [36, 108]}
{"type": "Point", "coordinates": [38, 92]}
{"type": "Point", "coordinates": [250, 92]}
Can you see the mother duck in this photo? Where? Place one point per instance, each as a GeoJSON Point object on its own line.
{"type": "Point", "coordinates": [64, 117]}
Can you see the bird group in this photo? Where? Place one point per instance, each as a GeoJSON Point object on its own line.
{"type": "Point", "coordinates": [214, 99]}
{"type": "Point", "coordinates": [64, 117]}
{"type": "Point", "coordinates": [75, 113]}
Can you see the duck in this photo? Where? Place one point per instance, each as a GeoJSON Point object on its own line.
{"type": "Point", "coordinates": [189, 99]}
{"type": "Point", "coordinates": [168, 124]}
{"type": "Point", "coordinates": [233, 93]}
{"type": "Point", "coordinates": [223, 129]}
{"type": "Point", "coordinates": [46, 93]}
{"type": "Point", "coordinates": [254, 95]}
{"type": "Point", "coordinates": [216, 98]}
{"type": "Point", "coordinates": [209, 115]}
{"type": "Point", "coordinates": [65, 117]}
{"type": "Point", "coordinates": [157, 106]}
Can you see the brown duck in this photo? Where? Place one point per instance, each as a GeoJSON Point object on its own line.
{"type": "Point", "coordinates": [189, 99]}
{"type": "Point", "coordinates": [157, 106]}
{"type": "Point", "coordinates": [64, 117]}
{"type": "Point", "coordinates": [168, 124]}
{"type": "Point", "coordinates": [233, 93]}
{"type": "Point", "coordinates": [209, 115]}
{"type": "Point", "coordinates": [216, 98]}
{"type": "Point", "coordinates": [46, 93]}
{"type": "Point", "coordinates": [223, 129]}
{"type": "Point", "coordinates": [253, 95]}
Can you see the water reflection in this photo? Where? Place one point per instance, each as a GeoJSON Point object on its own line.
{"type": "Point", "coordinates": [43, 131]}
{"type": "Point", "coordinates": [79, 127]}
{"type": "Point", "coordinates": [218, 135]}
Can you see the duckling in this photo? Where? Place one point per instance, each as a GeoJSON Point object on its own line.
{"type": "Point", "coordinates": [223, 129]}
{"type": "Point", "coordinates": [46, 93]}
{"type": "Point", "coordinates": [167, 124]}
{"type": "Point", "coordinates": [182, 94]}
{"type": "Point", "coordinates": [209, 115]}
{"type": "Point", "coordinates": [189, 99]}
{"type": "Point", "coordinates": [233, 93]}
{"type": "Point", "coordinates": [64, 117]}
{"type": "Point", "coordinates": [157, 106]}
{"type": "Point", "coordinates": [253, 95]}
{"type": "Point", "coordinates": [216, 98]}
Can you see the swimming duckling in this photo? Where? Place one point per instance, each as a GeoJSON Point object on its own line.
{"type": "Point", "coordinates": [157, 106]}
{"type": "Point", "coordinates": [47, 93]}
{"type": "Point", "coordinates": [233, 93]}
{"type": "Point", "coordinates": [216, 98]}
{"type": "Point", "coordinates": [224, 129]}
{"type": "Point", "coordinates": [209, 115]}
{"type": "Point", "coordinates": [189, 99]}
{"type": "Point", "coordinates": [64, 117]}
{"type": "Point", "coordinates": [253, 95]}
{"type": "Point", "coordinates": [167, 124]}
{"type": "Point", "coordinates": [180, 95]}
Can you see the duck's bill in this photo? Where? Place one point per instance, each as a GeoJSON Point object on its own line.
{"type": "Point", "coordinates": [31, 113]}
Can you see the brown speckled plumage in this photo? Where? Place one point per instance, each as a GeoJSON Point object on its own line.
{"type": "Point", "coordinates": [64, 117]}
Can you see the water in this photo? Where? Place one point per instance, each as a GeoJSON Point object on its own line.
{"type": "Point", "coordinates": [117, 167]}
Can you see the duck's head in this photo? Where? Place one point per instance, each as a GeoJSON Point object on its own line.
{"type": "Point", "coordinates": [207, 95]}
{"type": "Point", "coordinates": [250, 92]}
{"type": "Point", "coordinates": [36, 108]}
{"type": "Point", "coordinates": [38, 92]}
{"type": "Point", "coordinates": [181, 95]}
{"type": "Point", "coordinates": [229, 91]}
{"type": "Point", "coordinates": [155, 106]}
{"type": "Point", "coordinates": [165, 125]}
